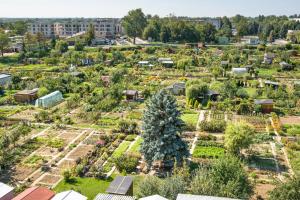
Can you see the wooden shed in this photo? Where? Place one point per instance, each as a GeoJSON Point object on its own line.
{"type": "Point", "coordinates": [26, 96]}
{"type": "Point", "coordinates": [266, 105]}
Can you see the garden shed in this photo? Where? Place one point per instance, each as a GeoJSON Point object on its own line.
{"type": "Point", "coordinates": [200, 197]}
{"type": "Point", "coordinates": [272, 84]}
{"type": "Point", "coordinates": [6, 192]}
{"type": "Point", "coordinates": [177, 88]}
{"type": "Point", "coordinates": [286, 66]}
{"type": "Point", "coordinates": [143, 63]}
{"type": "Point", "coordinates": [113, 197]}
{"type": "Point", "coordinates": [131, 95]}
{"type": "Point", "coordinates": [49, 100]}
{"type": "Point", "coordinates": [121, 185]}
{"type": "Point", "coordinates": [266, 105]}
{"type": "Point", "coordinates": [5, 79]}
{"type": "Point", "coordinates": [239, 71]}
{"type": "Point", "coordinates": [26, 96]}
{"type": "Point", "coordinates": [154, 197]}
{"type": "Point", "coordinates": [69, 195]}
{"type": "Point", "coordinates": [35, 193]}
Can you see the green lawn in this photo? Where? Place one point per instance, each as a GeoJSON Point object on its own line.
{"type": "Point", "coordinates": [89, 187]}
{"type": "Point", "coordinates": [191, 119]}
{"type": "Point", "coordinates": [136, 147]}
{"type": "Point", "coordinates": [121, 149]}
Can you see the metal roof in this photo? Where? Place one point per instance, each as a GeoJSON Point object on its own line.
{"type": "Point", "coordinates": [263, 101]}
{"type": "Point", "coordinates": [200, 197]}
{"type": "Point", "coordinates": [4, 75]}
{"type": "Point", "coordinates": [69, 195]}
{"type": "Point", "coordinates": [112, 197]}
{"type": "Point", "coordinates": [5, 189]}
{"type": "Point", "coordinates": [120, 185]}
{"type": "Point", "coordinates": [154, 197]}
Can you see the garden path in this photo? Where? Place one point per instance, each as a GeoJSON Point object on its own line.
{"type": "Point", "coordinates": [201, 118]}
{"type": "Point", "coordinates": [280, 177]}
{"type": "Point", "coordinates": [278, 138]}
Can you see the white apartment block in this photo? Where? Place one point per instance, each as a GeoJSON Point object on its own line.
{"type": "Point", "coordinates": [104, 27]}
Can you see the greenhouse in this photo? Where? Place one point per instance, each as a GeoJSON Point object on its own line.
{"type": "Point", "coordinates": [49, 100]}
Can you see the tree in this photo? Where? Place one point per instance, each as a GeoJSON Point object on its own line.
{"type": "Point", "coordinates": [289, 190]}
{"type": "Point", "coordinates": [237, 137]}
{"type": "Point", "coordinates": [161, 128]}
{"type": "Point", "coordinates": [61, 46]}
{"type": "Point", "coordinates": [134, 23]}
{"type": "Point", "coordinates": [90, 35]}
{"type": "Point", "coordinates": [4, 42]}
{"type": "Point", "coordinates": [78, 46]}
{"type": "Point", "coordinates": [226, 178]}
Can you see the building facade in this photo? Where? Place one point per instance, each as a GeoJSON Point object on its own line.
{"type": "Point", "coordinates": [103, 27]}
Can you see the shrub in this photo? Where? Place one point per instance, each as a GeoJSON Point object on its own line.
{"type": "Point", "coordinates": [213, 126]}
{"type": "Point", "coordinates": [127, 162]}
{"type": "Point", "coordinates": [130, 137]}
{"type": "Point", "coordinates": [67, 176]}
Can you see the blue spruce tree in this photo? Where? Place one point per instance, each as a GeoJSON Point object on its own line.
{"type": "Point", "coordinates": [161, 131]}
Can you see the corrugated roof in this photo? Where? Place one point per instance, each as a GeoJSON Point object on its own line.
{"type": "Point", "coordinates": [200, 197]}
{"type": "Point", "coordinates": [4, 75]}
{"type": "Point", "coordinates": [27, 91]}
{"type": "Point", "coordinates": [120, 185]}
{"type": "Point", "coordinates": [5, 189]}
{"type": "Point", "coordinates": [112, 197]}
{"type": "Point", "coordinates": [69, 195]}
{"type": "Point", "coordinates": [35, 193]}
{"type": "Point", "coordinates": [154, 197]}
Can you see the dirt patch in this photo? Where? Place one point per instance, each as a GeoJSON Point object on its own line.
{"type": "Point", "coordinates": [81, 151]}
{"type": "Point", "coordinates": [262, 190]}
{"type": "Point", "coordinates": [26, 115]}
{"type": "Point", "coordinates": [46, 151]}
{"type": "Point", "coordinates": [50, 179]}
{"type": "Point", "coordinates": [66, 164]}
{"type": "Point", "coordinates": [290, 120]}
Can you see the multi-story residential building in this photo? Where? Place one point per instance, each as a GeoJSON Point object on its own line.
{"type": "Point", "coordinates": [103, 27]}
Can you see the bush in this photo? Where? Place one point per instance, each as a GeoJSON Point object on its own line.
{"type": "Point", "coordinates": [130, 138]}
{"type": "Point", "coordinates": [127, 162]}
{"type": "Point", "coordinates": [67, 176]}
{"type": "Point", "coordinates": [213, 126]}
{"type": "Point", "coordinates": [128, 127]}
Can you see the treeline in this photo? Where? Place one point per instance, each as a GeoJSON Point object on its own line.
{"type": "Point", "coordinates": [183, 29]}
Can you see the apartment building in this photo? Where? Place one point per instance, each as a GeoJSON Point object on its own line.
{"type": "Point", "coordinates": [104, 27]}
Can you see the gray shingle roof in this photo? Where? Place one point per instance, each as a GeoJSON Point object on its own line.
{"type": "Point", "coordinates": [120, 185]}
{"type": "Point", "coordinates": [112, 197]}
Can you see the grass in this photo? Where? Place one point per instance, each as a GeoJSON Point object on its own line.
{"type": "Point", "coordinates": [88, 187]}
{"type": "Point", "coordinates": [208, 152]}
{"type": "Point", "coordinates": [136, 146]}
{"type": "Point", "coordinates": [190, 119]}
{"type": "Point", "coordinates": [121, 149]}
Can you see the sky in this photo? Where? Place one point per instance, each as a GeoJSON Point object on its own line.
{"type": "Point", "coordinates": [119, 8]}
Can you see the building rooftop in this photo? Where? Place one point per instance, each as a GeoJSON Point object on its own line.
{"type": "Point", "coordinates": [5, 189]}
{"type": "Point", "coordinates": [120, 185]}
{"type": "Point", "coordinates": [154, 197]}
{"type": "Point", "coordinates": [27, 92]}
{"type": "Point", "coordinates": [69, 195]}
{"type": "Point", "coordinates": [35, 193]}
{"type": "Point", "coordinates": [112, 197]}
{"type": "Point", "coordinates": [263, 101]}
{"type": "Point", "coordinates": [4, 76]}
{"type": "Point", "coordinates": [200, 197]}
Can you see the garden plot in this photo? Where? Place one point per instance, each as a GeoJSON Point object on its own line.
{"type": "Point", "coordinates": [290, 120]}
{"type": "Point", "coordinates": [258, 122]}
{"type": "Point", "coordinates": [26, 114]}
{"type": "Point", "coordinates": [80, 152]}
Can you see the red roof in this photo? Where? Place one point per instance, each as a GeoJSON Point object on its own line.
{"type": "Point", "coordinates": [35, 193]}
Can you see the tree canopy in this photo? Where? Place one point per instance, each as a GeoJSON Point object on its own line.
{"type": "Point", "coordinates": [161, 128]}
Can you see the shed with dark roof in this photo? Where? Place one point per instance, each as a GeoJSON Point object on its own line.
{"type": "Point", "coordinates": [121, 185]}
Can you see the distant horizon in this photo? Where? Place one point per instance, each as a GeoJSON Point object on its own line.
{"type": "Point", "coordinates": [162, 8]}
